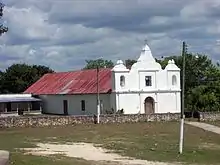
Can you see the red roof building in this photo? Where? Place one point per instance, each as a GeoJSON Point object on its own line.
{"type": "Point", "coordinates": [145, 88]}
{"type": "Point", "coordinates": [73, 82]}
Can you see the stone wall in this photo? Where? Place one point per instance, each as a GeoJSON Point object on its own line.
{"type": "Point", "coordinates": [55, 120]}
{"type": "Point", "coordinates": [209, 116]}
{"type": "Point", "coordinates": [52, 120]}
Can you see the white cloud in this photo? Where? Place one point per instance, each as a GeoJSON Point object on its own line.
{"type": "Point", "coordinates": [63, 34]}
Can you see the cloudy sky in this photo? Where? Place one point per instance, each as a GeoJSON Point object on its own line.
{"type": "Point", "coordinates": [62, 34]}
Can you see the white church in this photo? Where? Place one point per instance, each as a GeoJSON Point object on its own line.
{"type": "Point", "coordinates": [146, 88]}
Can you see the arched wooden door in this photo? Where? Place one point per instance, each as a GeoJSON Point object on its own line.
{"type": "Point", "coordinates": [149, 105]}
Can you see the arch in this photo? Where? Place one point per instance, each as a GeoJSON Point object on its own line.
{"type": "Point", "coordinates": [122, 80]}
{"type": "Point", "coordinates": [174, 80]}
{"type": "Point", "coordinates": [149, 105]}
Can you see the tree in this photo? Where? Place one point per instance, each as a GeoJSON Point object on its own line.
{"type": "Point", "coordinates": [18, 77]}
{"type": "Point", "coordinates": [3, 29]}
{"type": "Point", "coordinates": [204, 98]}
{"type": "Point", "coordinates": [101, 63]}
{"type": "Point", "coordinates": [129, 63]}
{"type": "Point", "coordinates": [39, 71]}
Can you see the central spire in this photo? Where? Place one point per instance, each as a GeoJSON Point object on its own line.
{"type": "Point", "coordinates": [146, 54]}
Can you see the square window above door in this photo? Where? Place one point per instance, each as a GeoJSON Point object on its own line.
{"type": "Point", "coordinates": [148, 81]}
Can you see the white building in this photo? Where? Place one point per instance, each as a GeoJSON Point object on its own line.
{"type": "Point", "coordinates": [145, 88]}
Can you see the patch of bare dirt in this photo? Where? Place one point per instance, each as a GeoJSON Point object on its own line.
{"type": "Point", "coordinates": [210, 146]}
{"type": "Point", "coordinates": [88, 152]}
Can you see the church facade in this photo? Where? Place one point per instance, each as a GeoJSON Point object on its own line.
{"type": "Point", "coordinates": [146, 88]}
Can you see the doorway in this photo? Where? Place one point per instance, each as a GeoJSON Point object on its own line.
{"type": "Point", "coordinates": [149, 105]}
{"type": "Point", "coordinates": [8, 106]}
{"type": "Point", "coordinates": [65, 107]}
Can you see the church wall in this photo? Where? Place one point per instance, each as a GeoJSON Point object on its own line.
{"type": "Point", "coordinates": [161, 78]}
{"type": "Point", "coordinates": [134, 103]}
{"type": "Point", "coordinates": [133, 80]}
{"type": "Point", "coordinates": [129, 102]}
{"type": "Point", "coordinates": [169, 102]}
{"type": "Point", "coordinates": [53, 104]}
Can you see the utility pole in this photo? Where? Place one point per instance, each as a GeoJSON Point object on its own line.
{"type": "Point", "coordinates": [182, 99]}
{"type": "Point", "coordinates": [98, 99]}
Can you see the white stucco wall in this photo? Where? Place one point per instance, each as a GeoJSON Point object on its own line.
{"type": "Point", "coordinates": [133, 103]}
{"type": "Point", "coordinates": [132, 95]}
{"type": "Point", "coordinates": [54, 103]}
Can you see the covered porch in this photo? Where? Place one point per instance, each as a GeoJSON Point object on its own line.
{"type": "Point", "coordinates": [19, 104]}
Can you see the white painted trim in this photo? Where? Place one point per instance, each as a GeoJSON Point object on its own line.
{"type": "Point", "coordinates": [149, 91]}
{"type": "Point", "coordinates": [148, 70]}
{"type": "Point", "coordinates": [127, 71]}
{"type": "Point", "coordinates": [173, 70]}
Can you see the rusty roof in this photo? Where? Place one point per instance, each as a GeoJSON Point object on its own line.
{"type": "Point", "coordinates": [74, 82]}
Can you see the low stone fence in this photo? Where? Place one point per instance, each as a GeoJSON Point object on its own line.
{"type": "Point", "coordinates": [209, 116]}
{"type": "Point", "coordinates": [53, 120]}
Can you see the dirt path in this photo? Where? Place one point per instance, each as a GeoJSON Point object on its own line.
{"type": "Point", "coordinates": [205, 126]}
{"type": "Point", "coordinates": [88, 152]}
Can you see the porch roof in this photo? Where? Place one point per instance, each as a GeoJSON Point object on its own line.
{"type": "Point", "coordinates": [17, 99]}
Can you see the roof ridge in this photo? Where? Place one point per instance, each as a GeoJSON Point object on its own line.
{"type": "Point", "coordinates": [78, 71]}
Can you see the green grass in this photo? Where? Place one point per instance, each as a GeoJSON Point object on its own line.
{"type": "Point", "coordinates": [150, 141]}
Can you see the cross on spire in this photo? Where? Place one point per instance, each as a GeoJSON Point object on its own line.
{"type": "Point", "coordinates": [145, 41]}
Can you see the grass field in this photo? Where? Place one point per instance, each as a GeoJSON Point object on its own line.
{"type": "Point", "coordinates": [150, 141]}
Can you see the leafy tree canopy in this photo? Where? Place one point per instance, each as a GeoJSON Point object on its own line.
{"type": "Point", "coordinates": [101, 63]}
{"type": "Point", "coordinates": [3, 29]}
{"type": "Point", "coordinates": [18, 77]}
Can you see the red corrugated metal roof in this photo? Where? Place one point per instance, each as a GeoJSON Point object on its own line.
{"type": "Point", "coordinates": [75, 82]}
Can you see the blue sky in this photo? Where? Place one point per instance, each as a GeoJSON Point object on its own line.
{"type": "Point", "coordinates": [62, 34]}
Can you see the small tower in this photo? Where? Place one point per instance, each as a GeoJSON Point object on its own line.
{"type": "Point", "coordinates": [173, 75]}
{"type": "Point", "coordinates": [119, 74]}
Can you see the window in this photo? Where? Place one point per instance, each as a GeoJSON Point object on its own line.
{"type": "Point", "coordinates": [122, 81]}
{"type": "Point", "coordinates": [174, 80]}
{"type": "Point", "coordinates": [83, 105]}
{"type": "Point", "coordinates": [148, 81]}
